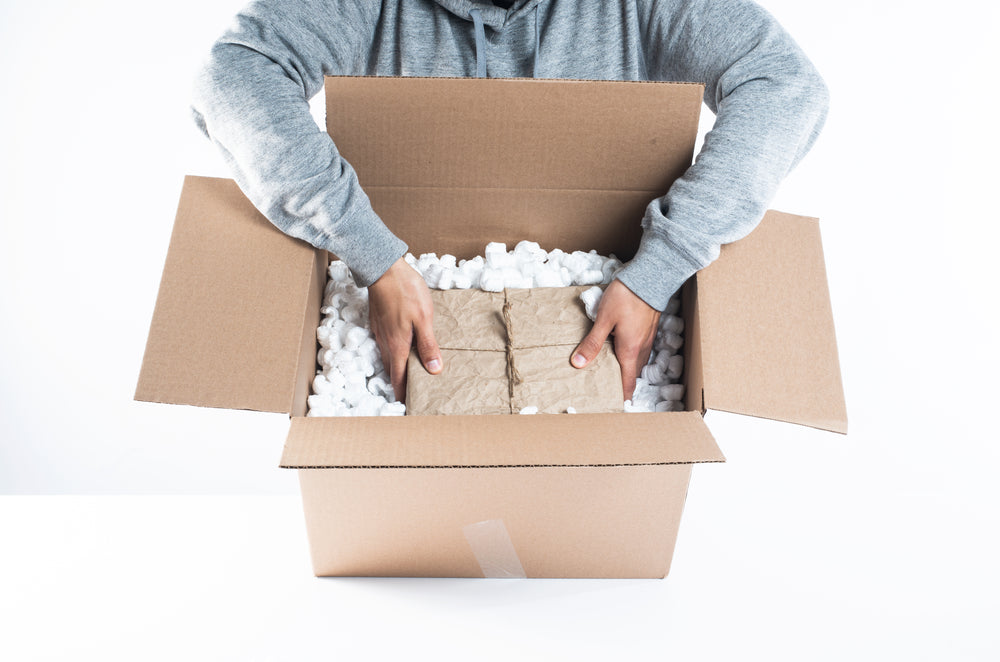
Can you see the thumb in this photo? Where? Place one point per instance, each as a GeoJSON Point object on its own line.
{"type": "Point", "coordinates": [427, 348]}
{"type": "Point", "coordinates": [589, 347]}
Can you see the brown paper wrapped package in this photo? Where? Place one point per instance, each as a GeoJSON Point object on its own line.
{"type": "Point", "coordinates": [504, 351]}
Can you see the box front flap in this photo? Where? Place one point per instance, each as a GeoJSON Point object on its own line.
{"type": "Point", "coordinates": [227, 330]}
{"type": "Point", "coordinates": [500, 440]}
{"type": "Point", "coordinates": [570, 164]}
{"type": "Point", "coordinates": [765, 327]}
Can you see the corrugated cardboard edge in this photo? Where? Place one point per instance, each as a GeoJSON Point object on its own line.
{"type": "Point", "coordinates": [605, 440]}
{"type": "Point", "coordinates": [764, 328]}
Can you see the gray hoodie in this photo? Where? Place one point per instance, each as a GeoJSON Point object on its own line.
{"type": "Point", "coordinates": [251, 99]}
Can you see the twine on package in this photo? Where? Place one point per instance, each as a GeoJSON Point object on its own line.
{"type": "Point", "coordinates": [513, 377]}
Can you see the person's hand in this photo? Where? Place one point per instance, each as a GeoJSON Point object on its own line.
{"type": "Point", "coordinates": [400, 312]}
{"type": "Point", "coordinates": [633, 323]}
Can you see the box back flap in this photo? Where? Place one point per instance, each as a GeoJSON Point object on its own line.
{"type": "Point", "coordinates": [765, 327]}
{"type": "Point", "coordinates": [227, 330]}
{"type": "Point", "coordinates": [500, 441]}
{"type": "Point", "coordinates": [570, 164]}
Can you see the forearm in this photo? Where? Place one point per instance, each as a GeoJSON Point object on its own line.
{"type": "Point", "coordinates": [770, 104]}
{"type": "Point", "coordinates": [251, 99]}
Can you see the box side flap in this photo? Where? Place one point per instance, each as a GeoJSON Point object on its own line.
{"type": "Point", "coordinates": [228, 322]}
{"type": "Point", "coordinates": [766, 329]}
{"type": "Point", "coordinates": [500, 440]}
{"type": "Point", "coordinates": [527, 134]}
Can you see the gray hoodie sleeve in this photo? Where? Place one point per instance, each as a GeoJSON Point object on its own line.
{"type": "Point", "coordinates": [251, 99]}
{"type": "Point", "coordinates": [770, 104]}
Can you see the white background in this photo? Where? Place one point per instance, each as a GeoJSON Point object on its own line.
{"type": "Point", "coordinates": [804, 545]}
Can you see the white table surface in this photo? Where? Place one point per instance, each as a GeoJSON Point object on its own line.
{"type": "Point", "coordinates": [228, 578]}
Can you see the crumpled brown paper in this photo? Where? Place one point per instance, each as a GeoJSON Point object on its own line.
{"type": "Point", "coordinates": [497, 363]}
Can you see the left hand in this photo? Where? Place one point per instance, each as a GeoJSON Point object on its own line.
{"type": "Point", "coordinates": [632, 321]}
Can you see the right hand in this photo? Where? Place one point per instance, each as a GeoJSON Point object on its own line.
{"type": "Point", "coordinates": [400, 313]}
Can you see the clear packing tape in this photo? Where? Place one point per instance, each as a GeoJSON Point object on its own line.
{"type": "Point", "coordinates": [493, 549]}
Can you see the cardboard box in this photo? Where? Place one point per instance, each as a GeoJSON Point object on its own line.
{"type": "Point", "coordinates": [451, 164]}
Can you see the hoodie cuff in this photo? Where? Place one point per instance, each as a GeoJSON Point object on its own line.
{"type": "Point", "coordinates": [657, 271]}
{"type": "Point", "coordinates": [366, 245]}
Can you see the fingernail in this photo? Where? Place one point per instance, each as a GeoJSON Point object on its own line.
{"type": "Point", "coordinates": [579, 360]}
{"type": "Point", "coordinates": [434, 364]}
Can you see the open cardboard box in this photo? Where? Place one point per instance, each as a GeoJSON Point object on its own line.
{"type": "Point", "coordinates": [451, 164]}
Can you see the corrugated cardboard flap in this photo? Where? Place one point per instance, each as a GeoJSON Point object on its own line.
{"type": "Point", "coordinates": [766, 333]}
{"type": "Point", "coordinates": [228, 327]}
{"type": "Point", "coordinates": [506, 441]}
{"type": "Point", "coordinates": [573, 163]}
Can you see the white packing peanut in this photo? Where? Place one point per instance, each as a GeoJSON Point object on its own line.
{"type": "Point", "coordinates": [335, 377]}
{"type": "Point", "coordinates": [355, 337]}
{"type": "Point", "coordinates": [496, 255]}
{"type": "Point", "coordinates": [327, 337]}
{"type": "Point", "coordinates": [364, 366]}
{"type": "Point", "coordinates": [376, 386]}
{"type": "Point", "coordinates": [513, 278]}
{"type": "Point", "coordinates": [354, 314]}
{"type": "Point", "coordinates": [432, 274]}
{"type": "Point", "coordinates": [339, 272]}
{"type": "Point", "coordinates": [652, 373]}
{"type": "Point", "coordinates": [672, 392]}
{"type": "Point", "coordinates": [392, 409]}
{"type": "Point", "coordinates": [369, 405]}
{"type": "Point", "coordinates": [491, 280]}
{"type": "Point", "coordinates": [672, 324]}
{"type": "Point", "coordinates": [610, 267]}
{"type": "Point", "coordinates": [672, 340]}
{"type": "Point", "coordinates": [591, 299]}
{"type": "Point", "coordinates": [321, 385]}
{"type": "Point", "coordinates": [548, 278]}
{"type": "Point", "coordinates": [675, 368]}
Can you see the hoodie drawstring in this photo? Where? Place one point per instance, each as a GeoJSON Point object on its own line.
{"type": "Point", "coordinates": [534, 58]}
{"type": "Point", "coordinates": [477, 21]}
{"type": "Point", "coordinates": [480, 32]}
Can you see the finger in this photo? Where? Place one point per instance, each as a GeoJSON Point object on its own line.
{"type": "Point", "coordinates": [643, 358]}
{"type": "Point", "coordinates": [630, 370]}
{"type": "Point", "coordinates": [399, 353]}
{"type": "Point", "coordinates": [588, 348]}
{"type": "Point", "coordinates": [427, 347]}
